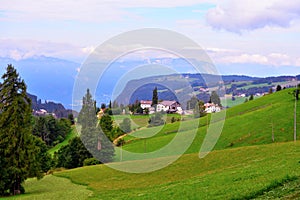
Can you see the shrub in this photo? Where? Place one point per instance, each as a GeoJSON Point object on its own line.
{"type": "Point", "coordinates": [90, 161]}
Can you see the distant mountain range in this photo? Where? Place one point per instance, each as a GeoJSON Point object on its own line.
{"type": "Point", "coordinates": [52, 79]}
{"type": "Point", "coordinates": [181, 87]}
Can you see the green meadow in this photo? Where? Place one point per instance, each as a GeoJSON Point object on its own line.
{"type": "Point", "coordinates": [72, 134]}
{"type": "Point", "coordinates": [246, 163]}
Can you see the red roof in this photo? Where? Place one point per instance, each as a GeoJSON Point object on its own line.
{"type": "Point", "coordinates": [146, 102]}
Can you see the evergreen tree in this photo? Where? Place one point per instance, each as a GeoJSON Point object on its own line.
{"type": "Point", "coordinates": [296, 92]}
{"type": "Point", "coordinates": [191, 104]}
{"type": "Point", "coordinates": [155, 97]}
{"type": "Point", "coordinates": [270, 91]}
{"type": "Point", "coordinates": [87, 117]}
{"type": "Point", "coordinates": [92, 135]}
{"type": "Point", "coordinates": [103, 106]}
{"type": "Point", "coordinates": [40, 129]}
{"type": "Point", "coordinates": [73, 154]}
{"type": "Point", "coordinates": [106, 124]}
{"type": "Point", "coordinates": [17, 147]}
{"type": "Point", "coordinates": [214, 98]}
{"type": "Point", "coordinates": [45, 160]}
{"type": "Point", "coordinates": [71, 118]}
{"type": "Point", "coordinates": [52, 131]}
{"type": "Point", "coordinates": [278, 88]}
{"type": "Point", "coordinates": [199, 110]}
{"type": "Point", "coordinates": [251, 97]}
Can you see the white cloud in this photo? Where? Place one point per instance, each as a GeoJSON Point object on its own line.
{"type": "Point", "coordinates": [272, 59]}
{"type": "Point", "coordinates": [92, 10]}
{"type": "Point", "coordinates": [298, 62]}
{"type": "Point", "coordinates": [235, 15]}
{"type": "Point", "coordinates": [245, 58]}
{"type": "Point", "coordinates": [22, 49]}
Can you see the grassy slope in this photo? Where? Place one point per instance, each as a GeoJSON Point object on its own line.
{"type": "Point", "coordinates": [238, 100]}
{"type": "Point", "coordinates": [246, 124]}
{"type": "Point", "coordinates": [226, 173]}
{"type": "Point", "coordinates": [72, 134]}
{"type": "Point", "coordinates": [52, 187]}
{"type": "Point", "coordinates": [139, 121]}
{"type": "Point", "coordinates": [223, 174]}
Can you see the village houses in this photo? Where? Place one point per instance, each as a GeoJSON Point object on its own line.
{"type": "Point", "coordinates": [165, 106]}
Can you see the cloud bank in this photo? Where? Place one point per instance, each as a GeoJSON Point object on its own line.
{"type": "Point", "coordinates": [236, 16]}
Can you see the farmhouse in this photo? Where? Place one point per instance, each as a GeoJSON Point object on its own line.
{"type": "Point", "coordinates": [145, 104]}
{"type": "Point", "coordinates": [212, 108]}
{"type": "Point", "coordinates": [166, 106]}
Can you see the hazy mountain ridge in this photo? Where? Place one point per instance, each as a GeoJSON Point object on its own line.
{"type": "Point", "coordinates": [195, 81]}
{"type": "Point", "coordinates": [52, 79]}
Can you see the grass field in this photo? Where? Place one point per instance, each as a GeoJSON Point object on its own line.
{"type": "Point", "coordinates": [238, 100]}
{"type": "Point", "coordinates": [53, 188]}
{"type": "Point", "coordinates": [245, 163]}
{"type": "Point", "coordinates": [246, 124]}
{"type": "Point", "coordinates": [239, 173]}
{"type": "Point", "coordinates": [139, 121]}
{"type": "Point", "coordinates": [72, 134]}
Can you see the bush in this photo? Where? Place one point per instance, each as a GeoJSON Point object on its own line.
{"type": "Point", "coordinates": [173, 120]}
{"type": "Point", "coordinates": [120, 142]}
{"type": "Point", "coordinates": [126, 125]}
{"type": "Point", "coordinates": [90, 161]}
{"type": "Point", "coordinates": [156, 120]}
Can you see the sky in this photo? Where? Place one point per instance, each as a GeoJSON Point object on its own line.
{"type": "Point", "coordinates": [252, 37]}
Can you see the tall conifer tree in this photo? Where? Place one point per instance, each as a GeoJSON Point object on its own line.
{"type": "Point", "coordinates": [154, 97]}
{"type": "Point", "coordinates": [17, 148]}
{"type": "Point", "coordinates": [92, 135]}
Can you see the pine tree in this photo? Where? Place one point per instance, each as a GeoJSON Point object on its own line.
{"type": "Point", "coordinates": [251, 97]}
{"type": "Point", "coordinates": [199, 110]}
{"type": "Point", "coordinates": [214, 98]}
{"type": "Point", "coordinates": [278, 88]}
{"type": "Point", "coordinates": [87, 117]}
{"type": "Point", "coordinates": [155, 97]}
{"type": "Point", "coordinates": [106, 124]}
{"type": "Point", "coordinates": [191, 104]}
{"type": "Point", "coordinates": [73, 154]}
{"type": "Point", "coordinates": [71, 118]}
{"type": "Point", "coordinates": [92, 136]}
{"type": "Point", "coordinates": [17, 146]}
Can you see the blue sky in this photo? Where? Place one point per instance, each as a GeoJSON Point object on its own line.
{"type": "Point", "coordinates": [240, 34]}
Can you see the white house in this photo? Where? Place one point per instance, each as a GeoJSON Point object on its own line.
{"type": "Point", "coordinates": [145, 104]}
{"type": "Point", "coordinates": [212, 108]}
{"type": "Point", "coordinates": [166, 106]}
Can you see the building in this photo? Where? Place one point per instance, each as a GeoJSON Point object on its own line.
{"type": "Point", "coordinates": [165, 106]}
{"type": "Point", "coordinates": [212, 108]}
{"type": "Point", "coordinates": [168, 106]}
{"type": "Point", "coordinates": [145, 104]}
